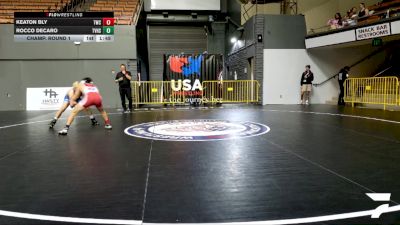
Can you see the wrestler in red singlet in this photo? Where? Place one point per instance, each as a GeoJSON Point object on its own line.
{"type": "Point", "coordinates": [90, 97]}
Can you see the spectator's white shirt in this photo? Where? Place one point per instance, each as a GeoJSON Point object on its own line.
{"type": "Point", "coordinates": [220, 77]}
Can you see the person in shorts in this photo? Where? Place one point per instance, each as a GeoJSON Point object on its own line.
{"type": "Point", "coordinates": [306, 85]}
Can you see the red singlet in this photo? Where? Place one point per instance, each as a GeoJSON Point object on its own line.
{"type": "Point", "coordinates": [91, 96]}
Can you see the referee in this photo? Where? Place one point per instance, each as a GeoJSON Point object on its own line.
{"type": "Point", "coordinates": [123, 78]}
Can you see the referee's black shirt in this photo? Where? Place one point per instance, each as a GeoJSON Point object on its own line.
{"type": "Point", "coordinates": [125, 83]}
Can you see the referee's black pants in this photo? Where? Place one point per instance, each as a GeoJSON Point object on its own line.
{"type": "Point", "coordinates": [341, 94]}
{"type": "Point", "coordinates": [126, 93]}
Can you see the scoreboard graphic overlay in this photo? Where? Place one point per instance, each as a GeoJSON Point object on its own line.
{"type": "Point", "coordinates": [64, 27]}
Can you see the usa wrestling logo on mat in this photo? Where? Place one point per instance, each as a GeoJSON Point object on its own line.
{"type": "Point", "coordinates": [196, 130]}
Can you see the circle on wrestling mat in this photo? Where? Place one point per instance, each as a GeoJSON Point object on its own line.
{"type": "Point", "coordinates": [196, 130]}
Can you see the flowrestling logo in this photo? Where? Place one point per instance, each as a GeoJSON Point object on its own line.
{"type": "Point", "coordinates": [196, 130]}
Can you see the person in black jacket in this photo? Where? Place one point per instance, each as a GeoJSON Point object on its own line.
{"type": "Point", "coordinates": [306, 84]}
{"type": "Point", "coordinates": [342, 77]}
{"type": "Point", "coordinates": [123, 78]}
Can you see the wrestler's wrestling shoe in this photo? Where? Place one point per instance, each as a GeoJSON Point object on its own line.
{"type": "Point", "coordinates": [63, 131]}
{"type": "Point", "coordinates": [94, 122]}
{"type": "Point", "coordinates": [52, 123]}
{"type": "Point", "coordinates": [108, 127]}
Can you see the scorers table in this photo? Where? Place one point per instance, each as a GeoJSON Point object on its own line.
{"type": "Point", "coordinates": [64, 27]}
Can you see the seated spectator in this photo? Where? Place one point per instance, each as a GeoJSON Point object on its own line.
{"type": "Point", "coordinates": [352, 13]}
{"type": "Point", "coordinates": [363, 11]}
{"type": "Point", "coordinates": [351, 18]}
{"type": "Point", "coordinates": [337, 22]}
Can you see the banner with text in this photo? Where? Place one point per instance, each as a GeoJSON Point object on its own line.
{"type": "Point", "coordinates": [46, 98]}
{"type": "Point", "coordinates": [374, 31]}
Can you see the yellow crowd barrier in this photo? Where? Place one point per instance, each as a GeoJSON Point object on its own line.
{"type": "Point", "coordinates": [160, 92]}
{"type": "Point", "coordinates": [231, 91]}
{"type": "Point", "coordinates": [375, 90]}
{"type": "Point", "coordinates": [154, 92]}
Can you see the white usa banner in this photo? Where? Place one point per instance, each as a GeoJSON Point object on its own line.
{"type": "Point", "coordinates": [46, 98]}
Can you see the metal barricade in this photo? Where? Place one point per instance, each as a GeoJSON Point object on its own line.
{"type": "Point", "coordinates": [229, 91]}
{"type": "Point", "coordinates": [160, 92]}
{"type": "Point", "coordinates": [375, 90]}
{"type": "Point", "coordinates": [155, 92]}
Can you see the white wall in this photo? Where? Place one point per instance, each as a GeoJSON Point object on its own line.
{"type": "Point", "coordinates": [331, 39]}
{"type": "Point", "coordinates": [332, 59]}
{"type": "Point", "coordinates": [283, 69]}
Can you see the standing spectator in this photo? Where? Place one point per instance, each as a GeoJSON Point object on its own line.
{"type": "Point", "coordinates": [139, 69]}
{"type": "Point", "coordinates": [306, 84]}
{"type": "Point", "coordinates": [220, 87]}
{"type": "Point", "coordinates": [337, 22]}
{"type": "Point", "coordinates": [139, 80]}
{"type": "Point", "coordinates": [343, 75]}
{"type": "Point", "coordinates": [363, 11]}
{"type": "Point", "coordinates": [123, 78]}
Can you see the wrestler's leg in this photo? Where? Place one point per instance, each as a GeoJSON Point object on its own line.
{"type": "Point", "coordinates": [58, 114]}
{"type": "Point", "coordinates": [78, 108]}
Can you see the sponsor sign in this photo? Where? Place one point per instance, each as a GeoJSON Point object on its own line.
{"type": "Point", "coordinates": [186, 72]}
{"type": "Point", "coordinates": [374, 31]}
{"type": "Point", "coordinates": [196, 130]}
{"type": "Point", "coordinates": [192, 67]}
{"type": "Point", "coordinates": [47, 98]}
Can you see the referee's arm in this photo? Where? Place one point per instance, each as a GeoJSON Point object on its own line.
{"type": "Point", "coordinates": [128, 75]}
{"type": "Point", "coordinates": [117, 80]}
